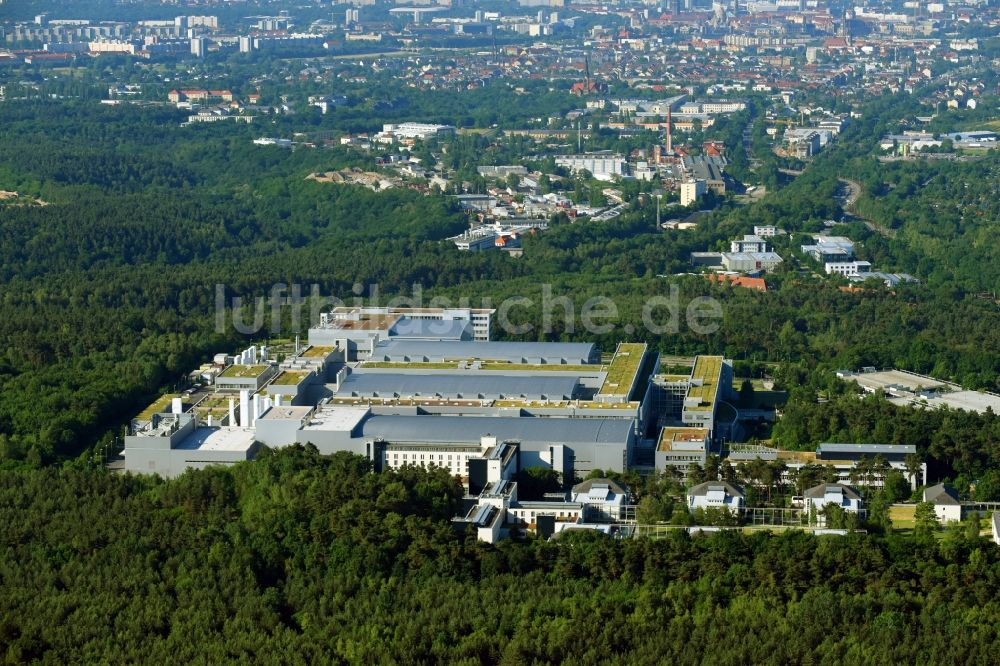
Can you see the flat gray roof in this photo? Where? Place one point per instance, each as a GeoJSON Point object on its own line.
{"type": "Point", "coordinates": [516, 352]}
{"type": "Point", "coordinates": [336, 418]}
{"type": "Point", "coordinates": [286, 413]}
{"type": "Point", "coordinates": [970, 401]}
{"type": "Point", "coordinates": [447, 329]}
{"type": "Point", "coordinates": [889, 378]}
{"type": "Point", "coordinates": [491, 386]}
{"type": "Point", "coordinates": [524, 429]}
{"type": "Point", "coordinates": [218, 439]}
{"type": "Point", "coordinates": [828, 447]}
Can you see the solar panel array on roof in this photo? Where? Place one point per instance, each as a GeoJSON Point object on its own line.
{"type": "Point", "coordinates": [482, 516]}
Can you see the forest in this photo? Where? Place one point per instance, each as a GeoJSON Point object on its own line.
{"type": "Point", "coordinates": [299, 558]}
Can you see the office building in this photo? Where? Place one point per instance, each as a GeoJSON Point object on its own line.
{"type": "Point", "coordinates": [751, 262]}
{"type": "Point", "coordinates": [803, 142]}
{"type": "Point", "coordinates": [847, 268]}
{"type": "Point", "coordinates": [749, 243]}
{"type": "Point", "coordinates": [842, 459]}
{"type": "Point", "coordinates": [691, 191]}
{"type": "Point", "coordinates": [833, 249]}
{"type": "Point", "coordinates": [686, 408]}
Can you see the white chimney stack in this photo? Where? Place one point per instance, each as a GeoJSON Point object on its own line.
{"type": "Point", "coordinates": [232, 412]}
{"type": "Point", "coordinates": [244, 408]}
{"type": "Point", "coordinates": [176, 406]}
{"type": "Point", "coordinates": [209, 420]}
{"type": "Point", "coordinates": [256, 408]}
{"type": "Point", "coordinates": [277, 400]}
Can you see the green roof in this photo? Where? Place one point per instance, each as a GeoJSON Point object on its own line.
{"type": "Point", "coordinates": [290, 377]}
{"type": "Point", "coordinates": [161, 404]}
{"type": "Point", "coordinates": [314, 352]}
{"type": "Point", "coordinates": [623, 368]}
{"type": "Point", "coordinates": [708, 369]}
{"type": "Point", "coordinates": [673, 378]}
{"type": "Point", "coordinates": [243, 371]}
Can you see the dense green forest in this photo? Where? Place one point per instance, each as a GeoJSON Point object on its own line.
{"type": "Point", "coordinates": [297, 558]}
{"type": "Point", "coordinates": [943, 216]}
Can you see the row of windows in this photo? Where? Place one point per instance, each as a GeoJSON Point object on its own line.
{"type": "Point", "coordinates": [428, 457]}
{"type": "Point", "coordinates": [531, 514]}
{"type": "Point", "coordinates": [676, 458]}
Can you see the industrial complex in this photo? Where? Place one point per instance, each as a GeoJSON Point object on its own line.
{"type": "Point", "coordinates": [428, 387]}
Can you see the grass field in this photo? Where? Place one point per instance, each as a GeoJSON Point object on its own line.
{"type": "Point", "coordinates": [901, 516]}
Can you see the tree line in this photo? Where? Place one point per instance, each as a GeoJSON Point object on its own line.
{"type": "Point", "coordinates": [297, 557]}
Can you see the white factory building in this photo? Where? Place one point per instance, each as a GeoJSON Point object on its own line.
{"type": "Point", "coordinates": [601, 167]}
{"type": "Point", "coordinates": [422, 131]}
{"type": "Point", "coordinates": [409, 400]}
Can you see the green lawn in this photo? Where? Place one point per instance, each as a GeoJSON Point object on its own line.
{"type": "Point", "coordinates": [901, 516]}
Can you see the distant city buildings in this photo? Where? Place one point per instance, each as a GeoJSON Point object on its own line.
{"type": "Point", "coordinates": [601, 167]}
{"type": "Point", "coordinates": [802, 142]}
{"type": "Point", "coordinates": [691, 191]}
{"type": "Point", "coordinates": [199, 95]}
{"type": "Point", "coordinates": [422, 131]}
